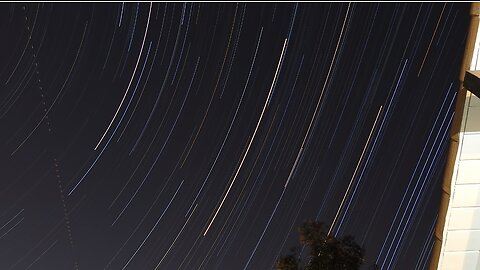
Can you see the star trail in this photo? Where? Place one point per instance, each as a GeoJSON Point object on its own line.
{"type": "Point", "coordinates": [200, 135]}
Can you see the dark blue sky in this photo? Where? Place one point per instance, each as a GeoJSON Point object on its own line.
{"type": "Point", "coordinates": [200, 135]}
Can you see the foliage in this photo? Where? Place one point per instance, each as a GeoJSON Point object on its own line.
{"type": "Point", "coordinates": [325, 252]}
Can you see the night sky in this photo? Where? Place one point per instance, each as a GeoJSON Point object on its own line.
{"type": "Point", "coordinates": [201, 135]}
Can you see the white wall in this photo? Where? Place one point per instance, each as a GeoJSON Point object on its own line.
{"type": "Point", "coordinates": [461, 245]}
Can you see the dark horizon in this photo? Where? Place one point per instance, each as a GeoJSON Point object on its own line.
{"type": "Point", "coordinates": [200, 135]}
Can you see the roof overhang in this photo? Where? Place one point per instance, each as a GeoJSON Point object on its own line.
{"type": "Point", "coordinates": [472, 81]}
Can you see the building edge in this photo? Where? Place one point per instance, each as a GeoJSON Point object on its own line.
{"type": "Point", "coordinates": [454, 137]}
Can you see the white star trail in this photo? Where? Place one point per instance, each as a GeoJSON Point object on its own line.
{"type": "Point", "coordinates": [129, 83]}
{"type": "Point", "coordinates": [250, 142]}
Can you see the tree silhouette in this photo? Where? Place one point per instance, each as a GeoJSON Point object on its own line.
{"type": "Point", "coordinates": [325, 252]}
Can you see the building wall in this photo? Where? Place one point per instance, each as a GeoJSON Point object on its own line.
{"type": "Point", "coordinates": [461, 235]}
{"type": "Point", "coordinates": [457, 232]}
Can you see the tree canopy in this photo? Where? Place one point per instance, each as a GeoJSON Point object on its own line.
{"type": "Point", "coordinates": [325, 252]}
